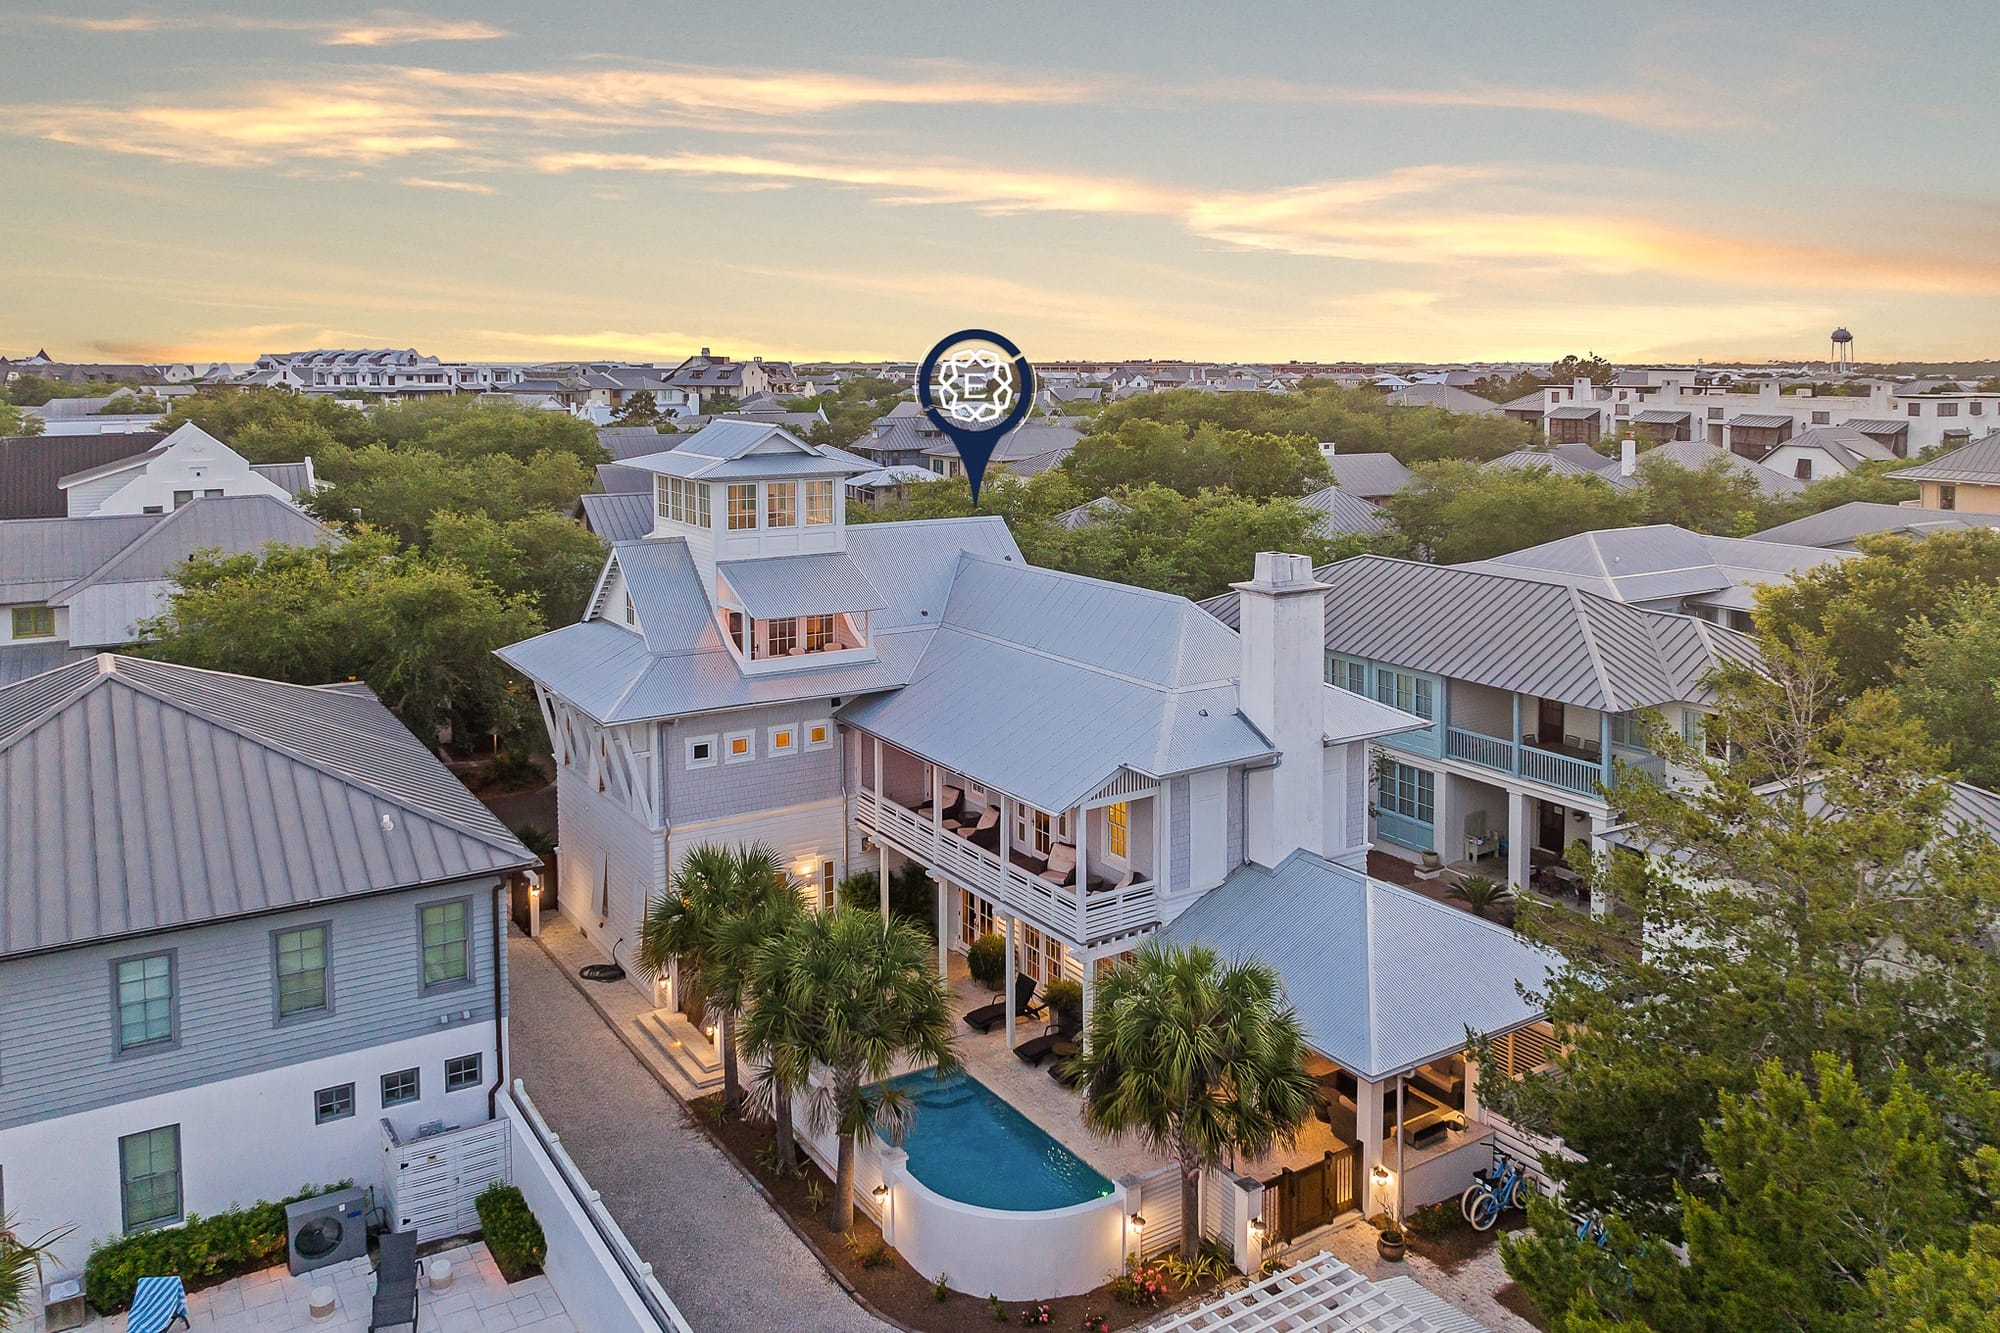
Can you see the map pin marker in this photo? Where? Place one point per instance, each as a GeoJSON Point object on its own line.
{"type": "Point", "coordinates": [975, 394]}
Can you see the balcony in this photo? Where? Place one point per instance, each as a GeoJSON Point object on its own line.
{"type": "Point", "coordinates": [1566, 770]}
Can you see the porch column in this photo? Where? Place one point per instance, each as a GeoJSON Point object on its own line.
{"type": "Point", "coordinates": [1472, 1068]}
{"type": "Point", "coordinates": [1008, 986]}
{"type": "Point", "coordinates": [1514, 736]}
{"type": "Point", "coordinates": [1604, 746]}
{"type": "Point", "coordinates": [1600, 903]}
{"type": "Point", "coordinates": [1089, 997]}
{"type": "Point", "coordinates": [1082, 869]}
{"type": "Point", "coordinates": [943, 925]}
{"type": "Point", "coordinates": [1368, 1129]}
{"type": "Point", "coordinates": [1401, 1134]}
{"type": "Point", "coordinates": [1517, 838]}
{"type": "Point", "coordinates": [878, 768]}
{"type": "Point", "coordinates": [937, 796]}
{"type": "Point", "coordinates": [882, 882]}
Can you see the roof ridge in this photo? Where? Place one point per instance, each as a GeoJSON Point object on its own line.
{"type": "Point", "coordinates": [91, 673]}
{"type": "Point", "coordinates": [1585, 628]}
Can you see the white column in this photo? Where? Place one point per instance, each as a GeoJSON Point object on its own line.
{"type": "Point", "coordinates": [943, 925]}
{"type": "Point", "coordinates": [1401, 1134]}
{"type": "Point", "coordinates": [1007, 985]}
{"type": "Point", "coordinates": [1517, 839]}
{"type": "Point", "coordinates": [1472, 1091]}
{"type": "Point", "coordinates": [1368, 1129]}
{"type": "Point", "coordinates": [1082, 869]}
{"type": "Point", "coordinates": [1089, 995]}
{"type": "Point", "coordinates": [1600, 903]}
{"type": "Point", "coordinates": [882, 882]}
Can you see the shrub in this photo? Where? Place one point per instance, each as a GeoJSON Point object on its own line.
{"type": "Point", "coordinates": [987, 960]}
{"type": "Point", "coordinates": [1433, 1219]}
{"type": "Point", "coordinates": [1065, 1000]}
{"type": "Point", "coordinates": [202, 1252]}
{"type": "Point", "coordinates": [1142, 1283]}
{"type": "Point", "coordinates": [941, 1289]}
{"type": "Point", "coordinates": [1479, 893]}
{"type": "Point", "coordinates": [536, 839]}
{"type": "Point", "coordinates": [511, 770]}
{"type": "Point", "coordinates": [511, 1232]}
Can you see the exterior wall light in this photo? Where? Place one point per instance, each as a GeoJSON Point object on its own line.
{"type": "Point", "coordinates": [1138, 1222]}
{"type": "Point", "coordinates": [882, 1192]}
{"type": "Point", "coordinates": [1380, 1174]}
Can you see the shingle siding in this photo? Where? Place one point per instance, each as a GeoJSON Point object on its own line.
{"type": "Point", "coordinates": [767, 782]}
{"type": "Point", "coordinates": [1180, 862]}
{"type": "Point", "coordinates": [57, 1048]}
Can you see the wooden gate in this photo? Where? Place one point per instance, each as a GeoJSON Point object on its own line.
{"type": "Point", "coordinates": [1296, 1202]}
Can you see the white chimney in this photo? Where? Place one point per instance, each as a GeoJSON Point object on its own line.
{"type": "Point", "coordinates": [1628, 456]}
{"type": "Point", "coordinates": [1282, 623]}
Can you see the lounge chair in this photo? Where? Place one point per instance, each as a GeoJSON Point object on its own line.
{"type": "Point", "coordinates": [1065, 1072]}
{"type": "Point", "coordinates": [954, 801]}
{"type": "Point", "coordinates": [1057, 1039]}
{"type": "Point", "coordinates": [395, 1282]}
{"type": "Point", "coordinates": [156, 1303]}
{"type": "Point", "coordinates": [989, 821]}
{"type": "Point", "coordinates": [989, 1016]}
{"type": "Point", "coordinates": [1062, 866]}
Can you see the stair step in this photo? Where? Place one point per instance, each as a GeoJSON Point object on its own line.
{"type": "Point", "coordinates": [692, 1057]}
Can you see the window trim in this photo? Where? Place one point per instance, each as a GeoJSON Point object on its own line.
{"type": "Point", "coordinates": [450, 983]}
{"type": "Point", "coordinates": [478, 1078]}
{"type": "Point", "coordinates": [753, 510]}
{"type": "Point", "coordinates": [790, 744]}
{"type": "Point", "coordinates": [417, 1088]}
{"type": "Point", "coordinates": [825, 742]}
{"type": "Point", "coordinates": [172, 1040]}
{"type": "Point", "coordinates": [124, 1183]}
{"type": "Point", "coordinates": [817, 494]}
{"type": "Point", "coordinates": [321, 1116]}
{"type": "Point", "coordinates": [279, 1018]}
{"type": "Point", "coordinates": [729, 739]}
{"type": "Point", "coordinates": [35, 614]}
{"type": "Point", "coordinates": [714, 755]}
{"type": "Point", "coordinates": [781, 504]}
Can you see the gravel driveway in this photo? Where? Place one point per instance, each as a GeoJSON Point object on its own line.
{"type": "Point", "coordinates": [716, 1247]}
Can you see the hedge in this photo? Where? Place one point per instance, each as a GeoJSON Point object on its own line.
{"type": "Point", "coordinates": [201, 1252]}
{"type": "Point", "coordinates": [512, 1234]}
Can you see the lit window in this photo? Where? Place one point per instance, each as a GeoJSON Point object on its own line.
{"type": "Point", "coordinates": [740, 747]}
{"type": "Point", "coordinates": [819, 735]}
{"type": "Point", "coordinates": [1117, 825]}
{"type": "Point", "coordinates": [461, 1072]}
{"type": "Point", "coordinates": [34, 622]}
{"type": "Point", "coordinates": [819, 503]}
{"type": "Point", "coordinates": [781, 637]}
{"type": "Point", "coordinates": [742, 505]}
{"type": "Point", "coordinates": [783, 740]}
{"type": "Point", "coordinates": [333, 1103]}
{"type": "Point", "coordinates": [701, 752]}
{"type": "Point", "coordinates": [301, 964]}
{"type": "Point", "coordinates": [145, 996]}
{"type": "Point", "coordinates": [819, 633]}
{"type": "Point", "coordinates": [781, 504]}
{"type": "Point", "coordinates": [405, 1085]}
{"type": "Point", "coordinates": [447, 946]}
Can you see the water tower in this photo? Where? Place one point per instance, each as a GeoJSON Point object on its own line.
{"type": "Point", "coordinates": [1843, 352]}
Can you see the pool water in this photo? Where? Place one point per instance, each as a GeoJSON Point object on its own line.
{"type": "Point", "coordinates": [967, 1144]}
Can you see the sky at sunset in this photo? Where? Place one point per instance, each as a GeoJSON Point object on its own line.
{"type": "Point", "coordinates": [832, 181]}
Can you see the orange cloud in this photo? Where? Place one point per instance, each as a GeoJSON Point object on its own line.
{"type": "Point", "coordinates": [385, 28]}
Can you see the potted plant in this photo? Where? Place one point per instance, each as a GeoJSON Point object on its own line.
{"type": "Point", "coordinates": [1065, 1001]}
{"type": "Point", "coordinates": [1480, 894]}
{"type": "Point", "coordinates": [1430, 858]}
{"type": "Point", "coordinates": [1391, 1243]}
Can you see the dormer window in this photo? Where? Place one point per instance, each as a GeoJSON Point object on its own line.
{"type": "Point", "coordinates": [742, 506]}
{"type": "Point", "coordinates": [781, 504]}
{"type": "Point", "coordinates": [684, 502]}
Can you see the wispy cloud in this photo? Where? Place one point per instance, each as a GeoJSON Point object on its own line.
{"type": "Point", "coordinates": [462, 187]}
{"type": "Point", "coordinates": [386, 27]}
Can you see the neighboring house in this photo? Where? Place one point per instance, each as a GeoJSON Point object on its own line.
{"type": "Point", "coordinates": [86, 416]}
{"type": "Point", "coordinates": [1661, 567]}
{"type": "Point", "coordinates": [1531, 693]}
{"type": "Point", "coordinates": [1624, 470]}
{"type": "Point", "coordinates": [190, 464]}
{"type": "Point", "coordinates": [711, 375]}
{"type": "Point", "coordinates": [1967, 478]}
{"type": "Point", "coordinates": [1342, 512]}
{"type": "Point", "coordinates": [1073, 763]}
{"type": "Point", "coordinates": [619, 516]}
{"type": "Point", "coordinates": [32, 467]}
{"type": "Point", "coordinates": [900, 437]}
{"type": "Point", "coordinates": [1031, 448]}
{"type": "Point", "coordinates": [261, 921]}
{"type": "Point", "coordinates": [1450, 397]}
{"type": "Point", "coordinates": [1842, 527]}
{"type": "Point", "coordinates": [633, 441]}
{"type": "Point", "coordinates": [880, 487]}
{"type": "Point", "coordinates": [1372, 476]}
{"type": "Point", "coordinates": [68, 584]}
{"type": "Point", "coordinates": [1825, 451]}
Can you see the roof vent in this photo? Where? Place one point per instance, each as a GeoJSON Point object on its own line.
{"type": "Point", "coordinates": [388, 824]}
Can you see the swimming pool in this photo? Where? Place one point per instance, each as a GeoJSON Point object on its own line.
{"type": "Point", "coordinates": [967, 1144]}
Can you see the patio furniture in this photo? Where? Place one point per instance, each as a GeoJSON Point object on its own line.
{"type": "Point", "coordinates": [395, 1282]}
{"type": "Point", "coordinates": [1065, 1070]}
{"type": "Point", "coordinates": [989, 1016]}
{"type": "Point", "coordinates": [156, 1303]}
{"type": "Point", "coordinates": [1062, 866]}
{"type": "Point", "coordinates": [989, 821]}
{"type": "Point", "coordinates": [1479, 840]}
{"type": "Point", "coordinates": [954, 800]}
{"type": "Point", "coordinates": [1058, 1039]}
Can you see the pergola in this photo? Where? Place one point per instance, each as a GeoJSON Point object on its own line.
{"type": "Point", "coordinates": [1322, 1295]}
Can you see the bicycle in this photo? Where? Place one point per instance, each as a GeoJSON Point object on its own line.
{"type": "Point", "coordinates": [1504, 1185]}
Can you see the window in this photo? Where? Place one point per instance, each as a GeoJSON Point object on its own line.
{"type": "Point", "coordinates": [1977, 407]}
{"type": "Point", "coordinates": [1352, 676]}
{"type": "Point", "coordinates": [701, 752]}
{"type": "Point", "coordinates": [34, 622]}
{"type": "Point", "coordinates": [784, 740]}
{"type": "Point", "coordinates": [149, 1177]}
{"type": "Point", "coordinates": [401, 1087]}
{"type": "Point", "coordinates": [682, 501]}
{"type": "Point", "coordinates": [1411, 693]}
{"type": "Point", "coordinates": [781, 504]}
{"type": "Point", "coordinates": [145, 998]}
{"type": "Point", "coordinates": [333, 1103]}
{"type": "Point", "coordinates": [461, 1072]}
{"type": "Point", "coordinates": [742, 505]}
{"type": "Point", "coordinates": [819, 734]}
{"type": "Point", "coordinates": [1821, 418]}
{"type": "Point", "coordinates": [1117, 829]}
{"type": "Point", "coordinates": [739, 747]}
{"type": "Point", "coordinates": [1407, 791]}
{"type": "Point", "coordinates": [213, 493]}
{"type": "Point", "coordinates": [447, 948]}
{"type": "Point", "coordinates": [301, 968]}
{"type": "Point", "coordinates": [187, 497]}
{"type": "Point", "coordinates": [1803, 469]}
{"type": "Point", "coordinates": [1038, 829]}
{"type": "Point", "coordinates": [826, 883]}
{"type": "Point", "coordinates": [819, 633]}
{"type": "Point", "coordinates": [1947, 497]}
{"type": "Point", "coordinates": [781, 637]}
{"type": "Point", "coordinates": [1715, 414]}
{"type": "Point", "coordinates": [819, 503]}
{"type": "Point", "coordinates": [631, 612]}
{"type": "Point", "coordinates": [1916, 409]}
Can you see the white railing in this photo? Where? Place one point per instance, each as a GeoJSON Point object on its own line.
{"type": "Point", "coordinates": [1560, 770]}
{"type": "Point", "coordinates": [1070, 913]}
{"type": "Point", "coordinates": [1477, 748]}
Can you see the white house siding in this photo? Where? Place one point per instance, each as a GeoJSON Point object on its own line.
{"type": "Point", "coordinates": [599, 839]}
{"type": "Point", "coordinates": [803, 836]}
{"type": "Point", "coordinates": [243, 1139]}
{"type": "Point", "coordinates": [58, 1052]}
{"type": "Point", "coordinates": [766, 781]}
{"type": "Point", "coordinates": [7, 625]}
{"type": "Point", "coordinates": [88, 496]}
{"type": "Point", "coordinates": [1483, 709]}
{"type": "Point", "coordinates": [108, 614]}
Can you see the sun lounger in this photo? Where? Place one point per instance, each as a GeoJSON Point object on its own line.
{"type": "Point", "coordinates": [989, 1016]}
{"type": "Point", "coordinates": [1058, 1039]}
{"type": "Point", "coordinates": [954, 800]}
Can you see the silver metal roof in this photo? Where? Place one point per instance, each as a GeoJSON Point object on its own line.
{"type": "Point", "coordinates": [53, 559]}
{"type": "Point", "coordinates": [726, 449]}
{"type": "Point", "coordinates": [1844, 444]}
{"type": "Point", "coordinates": [1759, 420]}
{"type": "Point", "coordinates": [1359, 961]}
{"type": "Point", "coordinates": [39, 557]}
{"type": "Point", "coordinates": [797, 585]}
{"type": "Point", "coordinates": [1694, 455]}
{"type": "Point", "coordinates": [1977, 463]}
{"type": "Point", "coordinates": [1656, 562]}
{"type": "Point", "coordinates": [619, 517]}
{"type": "Point", "coordinates": [1575, 413]}
{"type": "Point", "coordinates": [1841, 525]}
{"type": "Point", "coordinates": [1368, 475]}
{"type": "Point", "coordinates": [1878, 425]}
{"type": "Point", "coordinates": [1660, 416]}
{"type": "Point", "coordinates": [1340, 512]}
{"type": "Point", "coordinates": [1553, 463]}
{"type": "Point", "coordinates": [18, 661]}
{"type": "Point", "coordinates": [142, 796]}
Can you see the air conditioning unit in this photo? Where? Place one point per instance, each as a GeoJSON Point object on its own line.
{"type": "Point", "coordinates": [326, 1229]}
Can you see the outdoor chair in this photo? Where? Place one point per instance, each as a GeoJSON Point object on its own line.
{"type": "Point", "coordinates": [1062, 866]}
{"type": "Point", "coordinates": [989, 1016]}
{"type": "Point", "coordinates": [395, 1282]}
{"type": "Point", "coordinates": [1479, 840]}
{"type": "Point", "coordinates": [1057, 1039]}
{"type": "Point", "coordinates": [989, 821]}
{"type": "Point", "coordinates": [156, 1303]}
{"type": "Point", "coordinates": [954, 801]}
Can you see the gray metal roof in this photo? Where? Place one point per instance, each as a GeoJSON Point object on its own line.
{"type": "Point", "coordinates": [1553, 463]}
{"type": "Point", "coordinates": [1368, 475]}
{"type": "Point", "coordinates": [143, 797]}
{"type": "Point", "coordinates": [18, 661]}
{"type": "Point", "coordinates": [1575, 413]}
{"type": "Point", "coordinates": [1087, 513]}
{"type": "Point", "coordinates": [725, 449]}
{"type": "Point", "coordinates": [39, 557]}
{"type": "Point", "coordinates": [1844, 444]}
{"type": "Point", "coordinates": [1841, 525]}
{"type": "Point", "coordinates": [1660, 416]}
{"type": "Point", "coordinates": [1879, 425]}
{"type": "Point", "coordinates": [1447, 396]}
{"type": "Point", "coordinates": [1758, 420]}
{"type": "Point", "coordinates": [1977, 463]}
{"type": "Point", "coordinates": [1030, 448]}
{"type": "Point", "coordinates": [619, 517]}
{"type": "Point", "coordinates": [1340, 512]}
{"type": "Point", "coordinates": [1359, 961]}
{"type": "Point", "coordinates": [1656, 562]}
{"type": "Point", "coordinates": [32, 465]}
{"type": "Point", "coordinates": [617, 479]}
{"type": "Point", "coordinates": [798, 585]}
{"type": "Point", "coordinates": [295, 478]}
{"type": "Point", "coordinates": [1694, 455]}
{"type": "Point", "coordinates": [633, 441]}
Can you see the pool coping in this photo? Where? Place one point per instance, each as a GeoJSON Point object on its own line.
{"type": "Point", "coordinates": [1111, 1186]}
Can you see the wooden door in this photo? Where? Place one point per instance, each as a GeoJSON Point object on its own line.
{"type": "Point", "coordinates": [1549, 722]}
{"type": "Point", "coordinates": [1549, 827]}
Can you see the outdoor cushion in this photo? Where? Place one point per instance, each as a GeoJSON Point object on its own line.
{"type": "Point", "coordinates": [1062, 864]}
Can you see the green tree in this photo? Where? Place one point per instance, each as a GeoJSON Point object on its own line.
{"type": "Point", "coordinates": [35, 390]}
{"type": "Point", "coordinates": [1358, 420]}
{"type": "Point", "coordinates": [1950, 679]}
{"type": "Point", "coordinates": [641, 409]}
{"type": "Point", "coordinates": [420, 632]}
{"type": "Point", "coordinates": [1590, 366]}
{"type": "Point", "coordinates": [1199, 1058]}
{"type": "Point", "coordinates": [722, 905]}
{"type": "Point", "coordinates": [1193, 458]}
{"type": "Point", "coordinates": [21, 1263]}
{"type": "Point", "coordinates": [1714, 497]}
{"type": "Point", "coordinates": [1456, 511]}
{"type": "Point", "coordinates": [840, 990]}
{"type": "Point", "coordinates": [128, 403]}
{"type": "Point", "coordinates": [850, 409]}
{"type": "Point", "coordinates": [279, 417]}
{"type": "Point", "coordinates": [547, 555]}
{"type": "Point", "coordinates": [400, 488]}
{"type": "Point", "coordinates": [13, 421]}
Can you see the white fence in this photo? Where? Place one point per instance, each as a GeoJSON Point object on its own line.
{"type": "Point", "coordinates": [433, 1181]}
{"type": "Point", "coordinates": [1527, 1149]}
{"type": "Point", "coordinates": [603, 1283]}
{"type": "Point", "coordinates": [1156, 1196]}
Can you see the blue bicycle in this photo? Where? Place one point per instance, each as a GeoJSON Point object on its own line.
{"type": "Point", "coordinates": [1503, 1185]}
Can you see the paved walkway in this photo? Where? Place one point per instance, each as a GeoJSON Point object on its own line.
{"type": "Point", "coordinates": [720, 1252]}
{"type": "Point", "coordinates": [1470, 1287]}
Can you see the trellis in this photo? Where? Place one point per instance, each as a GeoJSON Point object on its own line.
{"type": "Point", "coordinates": [1318, 1295]}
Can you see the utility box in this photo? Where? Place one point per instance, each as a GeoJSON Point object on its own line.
{"type": "Point", "coordinates": [62, 1304]}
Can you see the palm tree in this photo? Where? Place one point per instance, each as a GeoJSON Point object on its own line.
{"type": "Point", "coordinates": [723, 902]}
{"type": "Point", "coordinates": [839, 990]}
{"type": "Point", "coordinates": [1481, 894]}
{"type": "Point", "coordinates": [1199, 1059]}
{"type": "Point", "coordinates": [21, 1268]}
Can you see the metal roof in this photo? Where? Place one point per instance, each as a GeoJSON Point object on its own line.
{"type": "Point", "coordinates": [1368, 475]}
{"type": "Point", "coordinates": [1660, 416]}
{"type": "Point", "coordinates": [1977, 463]}
{"type": "Point", "coordinates": [32, 466]}
{"type": "Point", "coordinates": [18, 661]}
{"type": "Point", "coordinates": [633, 441]}
{"type": "Point", "coordinates": [1758, 420]}
{"type": "Point", "coordinates": [144, 797]}
{"type": "Point", "coordinates": [1655, 562]}
{"type": "Point", "coordinates": [798, 585]}
{"type": "Point", "coordinates": [726, 449]}
{"type": "Point", "coordinates": [1358, 958]}
{"type": "Point", "coordinates": [619, 517]}
{"type": "Point", "coordinates": [1340, 512]}
{"type": "Point", "coordinates": [1555, 464]}
{"type": "Point", "coordinates": [1878, 425]}
{"type": "Point", "coordinates": [1694, 455]}
{"type": "Point", "coordinates": [296, 479]}
{"type": "Point", "coordinates": [1842, 524]}
{"type": "Point", "coordinates": [39, 557]}
{"type": "Point", "coordinates": [1575, 413]}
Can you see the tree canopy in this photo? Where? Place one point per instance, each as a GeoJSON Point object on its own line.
{"type": "Point", "coordinates": [1455, 511]}
{"type": "Point", "coordinates": [1358, 420]}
